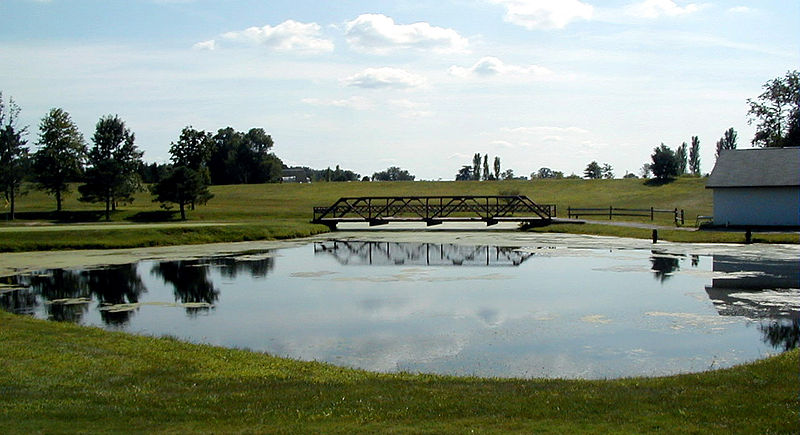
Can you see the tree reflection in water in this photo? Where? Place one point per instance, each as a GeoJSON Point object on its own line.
{"type": "Point", "coordinates": [781, 334]}
{"type": "Point", "coordinates": [258, 265]}
{"type": "Point", "coordinates": [15, 297]}
{"type": "Point", "coordinates": [114, 285]}
{"type": "Point", "coordinates": [663, 265]}
{"type": "Point", "coordinates": [190, 282]}
{"type": "Point", "coordinates": [62, 285]}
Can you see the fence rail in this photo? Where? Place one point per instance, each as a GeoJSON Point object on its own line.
{"type": "Point", "coordinates": [678, 215]}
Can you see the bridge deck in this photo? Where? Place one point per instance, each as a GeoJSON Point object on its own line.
{"type": "Point", "coordinates": [434, 210]}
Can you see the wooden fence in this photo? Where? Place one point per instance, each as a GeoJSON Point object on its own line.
{"type": "Point", "coordinates": [678, 215]}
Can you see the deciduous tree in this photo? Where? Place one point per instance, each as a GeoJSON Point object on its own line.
{"type": "Point", "coordinates": [183, 186]}
{"type": "Point", "coordinates": [727, 142]}
{"type": "Point", "coordinates": [113, 163]}
{"type": "Point", "coordinates": [694, 156]}
{"type": "Point", "coordinates": [593, 171]}
{"type": "Point", "coordinates": [681, 158]}
{"type": "Point", "coordinates": [476, 167]}
{"type": "Point", "coordinates": [61, 155]}
{"type": "Point", "coordinates": [664, 165]}
{"type": "Point", "coordinates": [393, 174]}
{"type": "Point", "coordinates": [777, 112]}
{"type": "Point", "coordinates": [13, 152]}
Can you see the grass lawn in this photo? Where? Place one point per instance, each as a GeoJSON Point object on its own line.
{"type": "Point", "coordinates": [274, 211]}
{"type": "Point", "coordinates": [60, 377]}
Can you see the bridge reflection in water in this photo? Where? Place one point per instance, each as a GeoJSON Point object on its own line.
{"type": "Point", "coordinates": [419, 254]}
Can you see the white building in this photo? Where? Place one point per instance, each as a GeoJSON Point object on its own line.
{"type": "Point", "coordinates": [757, 187]}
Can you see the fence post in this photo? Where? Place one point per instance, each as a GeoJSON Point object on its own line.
{"type": "Point", "coordinates": [675, 214]}
{"type": "Point", "coordinates": [681, 217]}
{"type": "Point", "coordinates": [652, 213]}
{"type": "Point", "coordinates": [610, 212]}
{"type": "Point", "coordinates": [569, 212]}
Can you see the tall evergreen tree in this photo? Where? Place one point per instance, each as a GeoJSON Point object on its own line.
{"type": "Point", "coordinates": [113, 163]}
{"type": "Point", "coordinates": [486, 173]}
{"type": "Point", "coordinates": [61, 155]}
{"type": "Point", "coordinates": [496, 168]}
{"type": "Point", "coordinates": [694, 156]}
{"type": "Point", "coordinates": [593, 171]}
{"type": "Point", "coordinates": [13, 152]}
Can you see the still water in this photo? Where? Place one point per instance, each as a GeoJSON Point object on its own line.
{"type": "Point", "coordinates": [544, 311]}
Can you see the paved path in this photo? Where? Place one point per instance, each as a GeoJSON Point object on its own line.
{"type": "Point", "coordinates": [103, 226]}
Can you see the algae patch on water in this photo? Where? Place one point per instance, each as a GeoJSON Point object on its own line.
{"type": "Point", "coordinates": [120, 308]}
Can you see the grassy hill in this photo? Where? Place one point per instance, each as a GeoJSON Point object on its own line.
{"type": "Point", "coordinates": [270, 211]}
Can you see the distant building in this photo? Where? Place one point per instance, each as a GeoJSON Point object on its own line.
{"type": "Point", "coordinates": [294, 175]}
{"type": "Point", "coordinates": [757, 187]}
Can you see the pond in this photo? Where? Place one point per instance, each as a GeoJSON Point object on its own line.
{"type": "Point", "coordinates": [541, 308]}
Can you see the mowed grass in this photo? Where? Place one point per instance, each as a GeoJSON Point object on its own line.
{"type": "Point", "coordinates": [59, 378]}
{"type": "Point", "coordinates": [275, 211]}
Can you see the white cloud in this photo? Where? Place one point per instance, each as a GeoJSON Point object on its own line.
{"type": "Point", "coordinates": [375, 78]}
{"type": "Point", "coordinates": [491, 66]}
{"type": "Point", "coordinates": [545, 14]}
{"type": "Point", "coordinates": [657, 8]}
{"type": "Point", "coordinates": [376, 33]}
{"type": "Point", "coordinates": [289, 35]}
{"type": "Point", "coordinates": [206, 45]}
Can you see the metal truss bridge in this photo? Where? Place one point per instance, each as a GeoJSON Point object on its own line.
{"type": "Point", "coordinates": [435, 210]}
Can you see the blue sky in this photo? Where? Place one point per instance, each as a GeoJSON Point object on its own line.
{"type": "Point", "coordinates": [421, 85]}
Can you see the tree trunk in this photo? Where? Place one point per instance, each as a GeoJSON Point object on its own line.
{"type": "Point", "coordinates": [183, 211]}
{"type": "Point", "coordinates": [58, 200]}
{"type": "Point", "coordinates": [108, 209]}
{"type": "Point", "coordinates": [13, 197]}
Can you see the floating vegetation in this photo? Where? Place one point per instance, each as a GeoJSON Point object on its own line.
{"type": "Point", "coordinates": [596, 318]}
{"type": "Point", "coordinates": [318, 274]}
{"type": "Point", "coordinates": [69, 301]}
{"type": "Point", "coordinates": [120, 308]}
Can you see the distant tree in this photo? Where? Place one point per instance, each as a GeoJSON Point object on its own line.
{"type": "Point", "coordinates": [665, 165]}
{"type": "Point", "coordinates": [61, 155]}
{"type": "Point", "coordinates": [681, 158]}
{"type": "Point", "coordinates": [486, 174]}
{"type": "Point", "coordinates": [727, 142]}
{"type": "Point", "coordinates": [645, 170]}
{"type": "Point", "coordinates": [545, 173]}
{"type": "Point", "coordinates": [192, 150]}
{"type": "Point", "coordinates": [464, 174]}
{"type": "Point", "coordinates": [558, 175]}
{"type": "Point", "coordinates": [573, 176]}
{"type": "Point", "coordinates": [182, 186]}
{"type": "Point", "coordinates": [629, 175]}
{"type": "Point", "coordinates": [508, 174]}
{"type": "Point", "coordinates": [153, 173]}
{"type": "Point", "coordinates": [694, 156]}
{"type": "Point", "coordinates": [13, 152]}
{"type": "Point", "coordinates": [496, 168]}
{"type": "Point", "coordinates": [476, 167]}
{"type": "Point", "coordinates": [243, 158]}
{"type": "Point", "coordinates": [393, 174]}
{"type": "Point", "coordinates": [777, 111]}
{"type": "Point", "coordinates": [608, 171]}
{"type": "Point", "coordinates": [593, 171]}
{"type": "Point", "coordinates": [366, 178]}
{"type": "Point", "coordinates": [113, 162]}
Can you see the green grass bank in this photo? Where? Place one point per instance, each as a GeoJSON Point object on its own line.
{"type": "Point", "coordinates": [277, 211]}
{"type": "Point", "coordinates": [62, 378]}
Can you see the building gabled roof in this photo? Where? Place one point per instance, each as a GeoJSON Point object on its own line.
{"type": "Point", "coordinates": [757, 167]}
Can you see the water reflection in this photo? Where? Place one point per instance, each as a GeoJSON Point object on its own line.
{"type": "Point", "coordinates": [190, 281]}
{"type": "Point", "coordinates": [781, 334]}
{"type": "Point", "coordinates": [419, 254]}
{"type": "Point", "coordinates": [66, 291]}
{"type": "Point", "coordinates": [115, 285]}
{"type": "Point", "coordinates": [664, 265]}
{"type": "Point", "coordinates": [257, 264]}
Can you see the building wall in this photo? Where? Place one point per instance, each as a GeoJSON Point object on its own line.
{"type": "Point", "coordinates": [757, 206]}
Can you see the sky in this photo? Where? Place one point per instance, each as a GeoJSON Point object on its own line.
{"type": "Point", "coordinates": [423, 85]}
